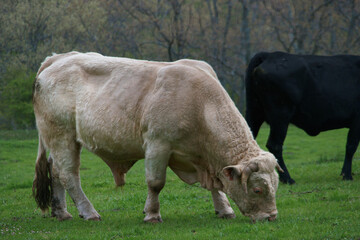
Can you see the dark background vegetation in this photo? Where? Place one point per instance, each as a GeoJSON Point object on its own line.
{"type": "Point", "coordinates": [225, 33]}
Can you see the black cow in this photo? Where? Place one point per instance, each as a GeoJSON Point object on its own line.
{"type": "Point", "coordinates": [315, 93]}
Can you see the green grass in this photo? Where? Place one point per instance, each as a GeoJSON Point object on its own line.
{"type": "Point", "coordinates": [319, 206]}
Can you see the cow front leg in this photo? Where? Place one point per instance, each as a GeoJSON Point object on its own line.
{"type": "Point", "coordinates": [351, 146]}
{"type": "Point", "coordinates": [156, 160]}
{"type": "Point", "coordinates": [275, 145]}
{"type": "Point", "coordinates": [222, 205]}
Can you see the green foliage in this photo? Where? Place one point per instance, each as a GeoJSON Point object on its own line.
{"type": "Point", "coordinates": [16, 109]}
{"type": "Point", "coordinates": [223, 33]}
{"type": "Point", "coordinates": [319, 206]}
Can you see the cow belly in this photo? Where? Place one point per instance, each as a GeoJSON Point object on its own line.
{"type": "Point", "coordinates": [108, 133]}
{"type": "Point", "coordinates": [109, 146]}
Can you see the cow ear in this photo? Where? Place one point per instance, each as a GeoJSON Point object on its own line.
{"type": "Point", "coordinates": [231, 171]}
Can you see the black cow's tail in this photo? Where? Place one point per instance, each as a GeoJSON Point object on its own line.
{"type": "Point", "coordinates": [42, 184]}
{"type": "Point", "coordinates": [254, 112]}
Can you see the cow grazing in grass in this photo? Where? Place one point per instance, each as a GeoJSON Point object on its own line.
{"type": "Point", "coordinates": [172, 114]}
{"type": "Point", "coordinates": [315, 93]}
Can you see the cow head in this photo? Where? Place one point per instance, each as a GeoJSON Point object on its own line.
{"type": "Point", "coordinates": [252, 185]}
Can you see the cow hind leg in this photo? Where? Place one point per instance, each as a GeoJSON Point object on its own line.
{"type": "Point", "coordinates": [157, 156]}
{"type": "Point", "coordinates": [58, 200]}
{"type": "Point", "coordinates": [351, 146]}
{"type": "Point", "coordinates": [222, 205]}
{"type": "Point", "coordinates": [65, 152]}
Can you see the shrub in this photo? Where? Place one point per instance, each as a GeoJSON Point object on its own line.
{"type": "Point", "coordinates": [16, 111]}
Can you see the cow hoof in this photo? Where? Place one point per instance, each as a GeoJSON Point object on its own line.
{"type": "Point", "coordinates": [153, 219]}
{"type": "Point", "coordinates": [289, 181]}
{"type": "Point", "coordinates": [227, 216]}
{"type": "Point", "coordinates": [92, 217]}
{"type": "Point", "coordinates": [64, 216]}
{"type": "Point", "coordinates": [61, 215]}
{"type": "Point", "coordinates": [349, 178]}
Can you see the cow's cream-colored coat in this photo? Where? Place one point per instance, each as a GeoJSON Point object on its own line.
{"type": "Point", "coordinates": [172, 114]}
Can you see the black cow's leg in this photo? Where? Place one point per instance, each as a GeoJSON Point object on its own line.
{"type": "Point", "coordinates": [351, 146]}
{"type": "Point", "coordinates": [275, 144]}
{"type": "Point", "coordinates": [254, 117]}
{"type": "Point", "coordinates": [255, 126]}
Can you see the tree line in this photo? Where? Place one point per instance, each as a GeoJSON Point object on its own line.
{"type": "Point", "coordinates": [225, 33]}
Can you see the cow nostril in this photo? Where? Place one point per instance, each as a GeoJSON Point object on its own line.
{"type": "Point", "coordinates": [272, 217]}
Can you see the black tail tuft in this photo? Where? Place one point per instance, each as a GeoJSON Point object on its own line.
{"type": "Point", "coordinates": [42, 184]}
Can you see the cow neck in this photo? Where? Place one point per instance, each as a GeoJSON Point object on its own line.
{"type": "Point", "coordinates": [238, 144]}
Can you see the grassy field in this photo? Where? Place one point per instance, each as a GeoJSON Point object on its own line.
{"type": "Point", "coordinates": [319, 206]}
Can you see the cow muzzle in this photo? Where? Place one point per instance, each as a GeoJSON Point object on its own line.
{"type": "Point", "coordinates": [265, 216]}
{"type": "Point", "coordinates": [272, 217]}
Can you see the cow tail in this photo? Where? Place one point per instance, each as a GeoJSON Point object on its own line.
{"type": "Point", "coordinates": [42, 184]}
{"type": "Point", "coordinates": [254, 113]}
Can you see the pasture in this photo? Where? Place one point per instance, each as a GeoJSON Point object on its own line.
{"type": "Point", "coordinates": [319, 206]}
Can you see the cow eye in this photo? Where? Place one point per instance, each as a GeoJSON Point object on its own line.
{"type": "Point", "coordinates": [258, 190]}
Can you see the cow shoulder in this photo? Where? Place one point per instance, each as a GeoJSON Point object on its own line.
{"type": "Point", "coordinates": [178, 97]}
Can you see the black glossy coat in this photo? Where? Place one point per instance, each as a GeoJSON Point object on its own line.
{"type": "Point", "coordinates": [315, 93]}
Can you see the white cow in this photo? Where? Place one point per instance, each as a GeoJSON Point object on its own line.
{"type": "Point", "coordinates": [172, 114]}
